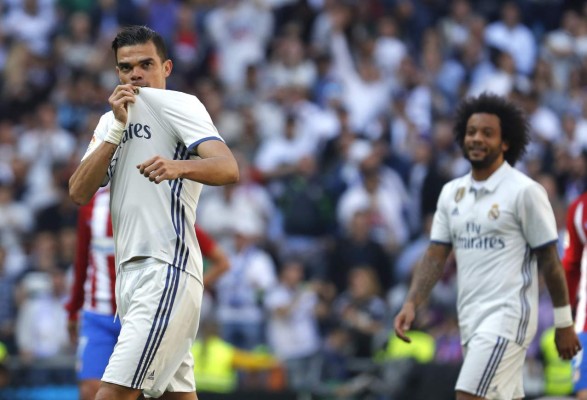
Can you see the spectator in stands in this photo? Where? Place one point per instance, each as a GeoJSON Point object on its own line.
{"type": "Point", "coordinates": [241, 290]}
{"type": "Point", "coordinates": [292, 331]}
{"type": "Point", "coordinates": [217, 362]}
{"type": "Point", "coordinates": [361, 311]}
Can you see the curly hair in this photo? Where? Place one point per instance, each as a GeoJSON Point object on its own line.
{"type": "Point", "coordinates": [512, 121]}
{"type": "Point", "coordinates": [139, 34]}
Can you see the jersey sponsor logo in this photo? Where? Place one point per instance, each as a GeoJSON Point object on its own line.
{"type": "Point", "coordinates": [473, 239]}
{"type": "Point", "coordinates": [459, 194]}
{"type": "Point", "coordinates": [494, 212]}
{"type": "Point", "coordinates": [151, 376]}
{"type": "Point", "coordinates": [136, 130]}
{"type": "Point", "coordinates": [479, 242]}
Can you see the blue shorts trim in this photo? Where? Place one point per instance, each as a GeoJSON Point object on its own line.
{"type": "Point", "coordinates": [580, 366]}
{"type": "Point", "coordinates": [97, 338]}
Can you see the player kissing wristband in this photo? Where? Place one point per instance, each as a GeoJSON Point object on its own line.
{"type": "Point", "coordinates": [563, 317]}
{"type": "Point", "coordinates": [114, 134]}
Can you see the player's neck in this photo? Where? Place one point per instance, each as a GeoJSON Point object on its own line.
{"type": "Point", "coordinates": [482, 174]}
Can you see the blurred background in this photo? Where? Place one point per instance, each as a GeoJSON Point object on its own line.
{"type": "Point", "coordinates": [339, 113]}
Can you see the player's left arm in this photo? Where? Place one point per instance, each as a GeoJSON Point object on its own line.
{"type": "Point", "coordinates": [211, 250]}
{"type": "Point", "coordinates": [549, 264]}
{"type": "Point", "coordinates": [216, 166]}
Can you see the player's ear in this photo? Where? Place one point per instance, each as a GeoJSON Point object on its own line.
{"type": "Point", "coordinates": [167, 67]}
{"type": "Point", "coordinates": [505, 146]}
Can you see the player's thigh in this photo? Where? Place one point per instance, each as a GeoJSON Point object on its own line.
{"type": "Point", "coordinates": [88, 389]}
{"type": "Point", "coordinates": [110, 391]}
{"type": "Point", "coordinates": [179, 396]}
{"type": "Point", "coordinates": [580, 370]}
{"type": "Point", "coordinates": [467, 396]}
{"type": "Point", "coordinates": [492, 368]}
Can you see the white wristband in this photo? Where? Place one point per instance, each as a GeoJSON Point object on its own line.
{"type": "Point", "coordinates": [563, 317]}
{"type": "Point", "coordinates": [114, 134]}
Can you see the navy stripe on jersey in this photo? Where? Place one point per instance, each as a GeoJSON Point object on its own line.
{"type": "Point", "coordinates": [161, 315]}
{"type": "Point", "coordinates": [178, 212]}
{"type": "Point", "coordinates": [526, 282]}
{"type": "Point", "coordinates": [491, 367]}
{"type": "Point", "coordinates": [196, 144]}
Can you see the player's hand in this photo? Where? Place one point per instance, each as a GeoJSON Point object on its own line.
{"type": "Point", "coordinates": [158, 169]}
{"type": "Point", "coordinates": [119, 99]}
{"type": "Point", "coordinates": [403, 321]}
{"type": "Point", "coordinates": [567, 342]}
{"type": "Point", "coordinates": [72, 329]}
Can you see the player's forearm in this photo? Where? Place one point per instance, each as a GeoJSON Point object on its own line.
{"type": "Point", "coordinates": [554, 275]}
{"type": "Point", "coordinates": [214, 171]}
{"type": "Point", "coordinates": [220, 265]}
{"type": "Point", "coordinates": [427, 273]}
{"type": "Point", "coordinates": [89, 175]}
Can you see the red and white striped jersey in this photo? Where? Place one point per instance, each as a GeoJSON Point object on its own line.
{"type": "Point", "coordinates": [575, 259]}
{"type": "Point", "coordinates": [94, 270]}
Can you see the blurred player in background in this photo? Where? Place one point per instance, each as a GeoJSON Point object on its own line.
{"type": "Point", "coordinates": [574, 262]}
{"type": "Point", "coordinates": [502, 229]}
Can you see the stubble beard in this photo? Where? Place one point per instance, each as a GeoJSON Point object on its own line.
{"type": "Point", "coordinates": [483, 163]}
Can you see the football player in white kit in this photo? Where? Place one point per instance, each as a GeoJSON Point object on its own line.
{"type": "Point", "coordinates": [157, 147]}
{"type": "Point", "coordinates": [501, 227]}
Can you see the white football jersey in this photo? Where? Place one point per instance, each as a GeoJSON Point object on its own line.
{"type": "Point", "coordinates": [157, 220]}
{"type": "Point", "coordinates": [493, 231]}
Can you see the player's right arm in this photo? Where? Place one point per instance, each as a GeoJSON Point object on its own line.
{"type": "Point", "coordinates": [430, 268]}
{"type": "Point", "coordinates": [80, 273]}
{"type": "Point", "coordinates": [90, 174]}
{"type": "Point", "coordinates": [425, 276]}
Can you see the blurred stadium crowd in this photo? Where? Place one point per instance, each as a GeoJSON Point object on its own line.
{"type": "Point", "coordinates": [339, 112]}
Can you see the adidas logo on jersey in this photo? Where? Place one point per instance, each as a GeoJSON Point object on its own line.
{"type": "Point", "coordinates": [455, 211]}
{"type": "Point", "coordinates": [151, 376]}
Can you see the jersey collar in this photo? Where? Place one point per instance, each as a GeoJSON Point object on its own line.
{"type": "Point", "coordinates": [493, 181]}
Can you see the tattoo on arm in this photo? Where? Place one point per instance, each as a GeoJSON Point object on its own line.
{"type": "Point", "coordinates": [427, 273]}
{"type": "Point", "coordinates": [550, 266]}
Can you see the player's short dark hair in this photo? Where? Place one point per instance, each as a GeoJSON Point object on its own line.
{"type": "Point", "coordinates": [512, 120]}
{"type": "Point", "coordinates": [139, 34]}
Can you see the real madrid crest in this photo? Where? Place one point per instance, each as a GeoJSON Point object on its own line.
{"type": "Point", "coordinates": [459, 194]}
{"type": "Point", "coordinates": [493, 212]}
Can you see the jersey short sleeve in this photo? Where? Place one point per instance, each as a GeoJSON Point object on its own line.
{"type": "Point", "coordinates": [99, 133]}
{"type": "Point", "coordinates": [97, 138]}
{"type": "Point", "coordinates": [186, 115]}
{"type": "Point", "coordinates": [440, 224]}
{"type": "Point", "coordinates": [536, 216]}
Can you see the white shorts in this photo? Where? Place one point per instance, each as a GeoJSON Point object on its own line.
{"type": "Point", "coordinates": [159, 306]}
{"type": "Point", "coordinates": [492, 368]}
